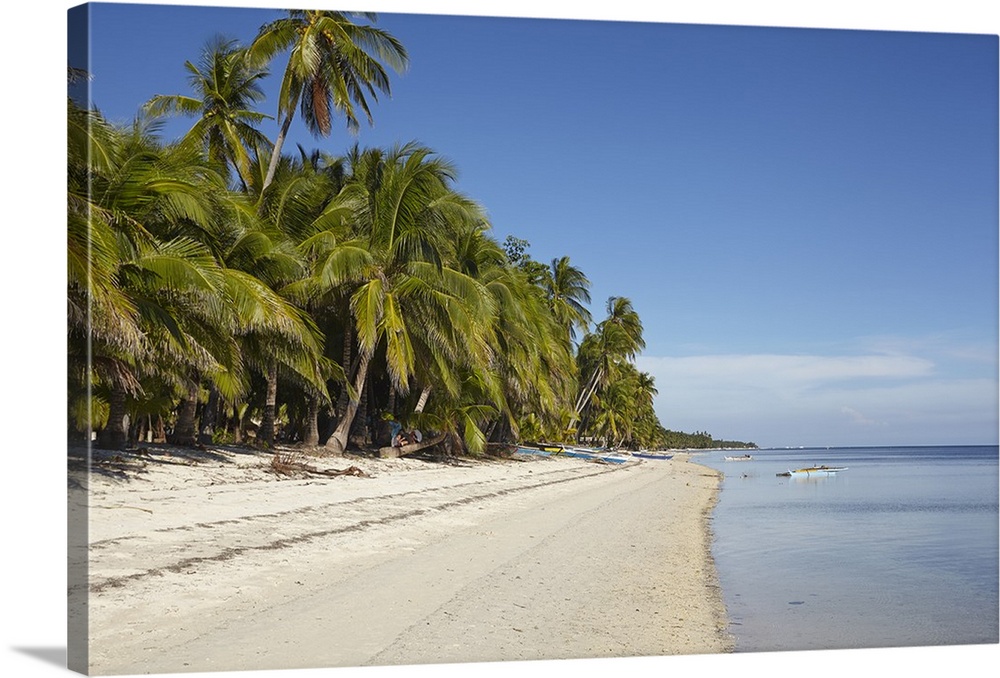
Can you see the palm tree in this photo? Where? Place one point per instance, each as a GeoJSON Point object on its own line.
{"type": "Point", "coordinates": [617, 338]}
{"type": "Point", "coordinates": [146, 290]}
{"type": "Point", "coordinates": [568, 289]}
{"type": "Point", "coordinates": [334, 64]}
{"type": "Point", "coordinates": [403, 296]}
{"type": "Point", "coordinates": [155, 290]}
{"type": "Point", "coordinates": [270, 250]}
{"type": "Point", "coordinates": [531, 369]}
{"type": "Point", "coordinates": [97, 306]}
{"type": "Point", "coordinates": [645, 424]}
{"type": "Point", "coordinates": [623, 409]}
{"type": "Point", "coordinates": [225, 86]}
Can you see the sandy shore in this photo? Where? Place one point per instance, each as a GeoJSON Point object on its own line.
{"type": "Point", "coordinates": [207, 561]}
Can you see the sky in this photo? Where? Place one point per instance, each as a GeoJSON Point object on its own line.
{"type": "Point", "coordinates": [806, 219]}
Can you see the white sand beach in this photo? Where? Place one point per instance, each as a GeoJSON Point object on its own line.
{"type": "Point", "coordinates": [206, 561]}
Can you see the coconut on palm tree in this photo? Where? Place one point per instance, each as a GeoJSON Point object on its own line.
{"type": "Point", "coordinates": [335, 65]}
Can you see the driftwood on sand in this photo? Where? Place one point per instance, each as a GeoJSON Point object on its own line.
{"type": "Point", "coordinates": [392, 451]}
{"type": "Point", "coordinates": [288, 465]}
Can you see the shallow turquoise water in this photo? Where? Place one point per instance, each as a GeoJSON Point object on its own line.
{"type": "Point", "coordinates": [899, 550]}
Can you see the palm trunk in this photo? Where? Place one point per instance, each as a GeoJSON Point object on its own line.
{"type": "Point", "coordinates": [272, 166]}
{"type": "Point", "coordinates": [338, 441]}
{"type": "Point", "coordinates": [112, 436]}
{"type": "Point", "coordinates": [501, 430]}
{"type": "Point", "coordinates": [311, 435]}
{"type": "Point", "coordinates": [265, 433]}
{"type": "Point", "coordinates": [593, 387]}
{"type": "Point", "coordinates": [237, 428]}
{"type": "Point", "coordinates": [359, 429]}
{"type": "Point", "coordinates": [144, 431]}
{"type": "Point", "coordinates": [348, 346]}
{"type": "Point", "coordinates": [585, 395]}
{"type": "Point", "coordinates": [206, 433]}
{"type": "Point", "coordinates": [184, 433]}
{"type": "Point", "coordinates": [422, 400]}
{"type": "Point", "coordinates": [160, 432]}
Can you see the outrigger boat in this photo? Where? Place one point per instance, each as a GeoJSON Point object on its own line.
{"type": "Point", "coordinates": [814, 471]}
{"type": "Point", "coordinates": [534, 450]}
{"type": "Point", "coordinates": [595, 455]}
{"type": "Point", "coordinates": [555, 448]}
{"type": "Point", "coordinates": [649, 455]}
{"type": "Point", "coordinates": [549, 450]}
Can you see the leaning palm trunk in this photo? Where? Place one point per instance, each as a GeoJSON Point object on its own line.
{"type": "Point", "coordinates": [338, 441]}
{"type": "Point", "coordinates": [359, 428]}
{"type": "Point", "coordinates": [265, 433]}
{"type": "Point", "coordinates": [585, 396]}
{"type": "Point", "coordinates": [112, 436]}
{"type": "Point", "coordinates": [276, 153]}
{"type": "Point", "coordinates": [422, 401]}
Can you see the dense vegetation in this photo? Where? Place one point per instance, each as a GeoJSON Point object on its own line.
{"type": "Point", "coordinates": [222, 290]}
{"type": "Point", "coordinates": [702, 441]}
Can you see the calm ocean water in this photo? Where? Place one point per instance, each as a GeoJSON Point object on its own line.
{"type": "Point", "coordinates": [899, 550]}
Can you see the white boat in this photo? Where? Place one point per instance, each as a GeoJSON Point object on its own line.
{"type": "Point", "coordinates": [595, 455]}
{"type": "Point", "coordinates": [742, 457]}
{"type": "Point", "coordinates": [814, 471]}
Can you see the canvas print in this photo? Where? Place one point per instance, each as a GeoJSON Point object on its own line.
{"type": "Point", "coordinates": [407, 339]}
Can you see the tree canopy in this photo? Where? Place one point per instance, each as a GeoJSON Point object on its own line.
{"type": "Point", "coordinates": [223, 290]}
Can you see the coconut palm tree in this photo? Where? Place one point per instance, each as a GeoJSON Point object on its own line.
{"type": "Point", "coordinates": [617, 338]}
{"type": "Point", "coordinates": [404, 298]}
{"type": "Point", "coordinates": [568, 290]}
{"type": "Point", "coordinates": [145, 289]}
{"type": "Point", "coordinates": [270, 249]}
{"type": "Point", "coordinates": [151, 295]}
{"type": "Point", "coordinates": [334, 65]}
{"type": "Point", "coordinates": [97, 306]}
{"type": "Point", "coordinates": [645, 425]}
{"type": "Point", "coordinates": [225, 86]}
{"type": "Point", "coordinates": [532, 363]}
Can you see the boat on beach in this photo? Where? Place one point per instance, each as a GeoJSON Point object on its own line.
{"type": "Point", "coordinates": [548, 450]}
{"type": "Point", "coordinates": [595, 455]}
{"type": "Point", "coordinates": [534, 451]}
{"type": "Point", "coordinates": [813, 471]}
{"type": "Point", "coordinates": [650, 455]}
{"type": "Point", "coordinates": [545, 447]}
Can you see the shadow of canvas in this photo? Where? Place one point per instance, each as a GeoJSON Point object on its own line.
{"type": "Point", "coordinates": [51, 655]}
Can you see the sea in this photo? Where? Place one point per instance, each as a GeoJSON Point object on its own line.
{"type": "Point", "coordinates": [898, 550]}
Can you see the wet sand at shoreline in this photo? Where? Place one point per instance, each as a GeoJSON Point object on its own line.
{"type": "Point", "coordinates": [218, 565]}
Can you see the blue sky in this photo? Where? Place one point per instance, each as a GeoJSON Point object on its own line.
{"type": "Point", "coordinates": [805, 218]}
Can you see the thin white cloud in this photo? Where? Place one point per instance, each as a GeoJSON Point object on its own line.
{"type": "Point", "coordinates": [889, 399]}
{"type": "Point", "coordinates": [787, 371]}
{"type": "Point", "coordinates": [859, 418]}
